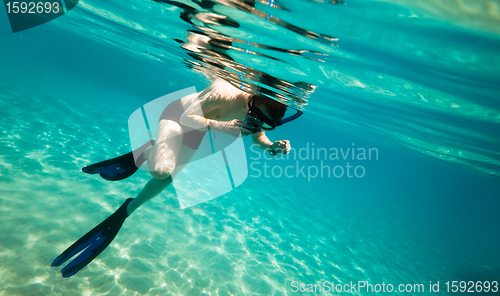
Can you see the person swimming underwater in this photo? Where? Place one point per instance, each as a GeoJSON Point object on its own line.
{"type": "Point", "coordinates": [181, 128]}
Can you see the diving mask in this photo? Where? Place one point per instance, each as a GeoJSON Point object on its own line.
{"type": "Point", "coordinates": [256, 118]}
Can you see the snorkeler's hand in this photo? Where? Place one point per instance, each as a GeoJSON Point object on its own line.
{"type": "Point", "coordinates": [281, 147]}
{"type": "Point", "coordinates": [232, 128]}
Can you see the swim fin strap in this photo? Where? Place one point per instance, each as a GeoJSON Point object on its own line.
{"type": "Point", "coordinates": [120, 167]}
{"type": "Point", "coordinates": [92, 243]}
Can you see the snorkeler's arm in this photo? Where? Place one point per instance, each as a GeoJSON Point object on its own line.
{"type": "Point", "coordinates": [195, 117]}
{"type": "Point", "coordinates": [262, 141]}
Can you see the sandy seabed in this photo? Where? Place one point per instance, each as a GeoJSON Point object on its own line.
{"type": "Point", "coordinates": [255, 240]}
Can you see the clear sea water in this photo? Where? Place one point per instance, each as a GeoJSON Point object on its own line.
{"type": "Point", "coordinates": [420, 82]}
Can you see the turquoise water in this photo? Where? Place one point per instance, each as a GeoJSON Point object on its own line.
{"type": "Point", "coordinates": [417, 82]}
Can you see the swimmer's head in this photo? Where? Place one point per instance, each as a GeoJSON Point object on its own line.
{"type": "Point", "coordinates": [264, 113]}
{"type": "Point", "coordinates": [270, 108]}
{"type": "Point", "coordinates": [267, 114]}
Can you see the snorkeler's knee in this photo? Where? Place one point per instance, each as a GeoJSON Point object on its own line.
{"type": "Point", "coordinates": [160, 175]}
{"type": "Point", "coordinates": [170, 126]}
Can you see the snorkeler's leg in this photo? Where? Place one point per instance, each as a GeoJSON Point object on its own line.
{"type": "Point", "coordinates": [89, 246]}
{"type": "Point", "coordinates": [120, 167]}
{"type": "Point", "coordinates": [152, 189]}
{"type": "Point", "coordinates": [155, 185]}
{"type": "Point", "coordinates": [162, 156]}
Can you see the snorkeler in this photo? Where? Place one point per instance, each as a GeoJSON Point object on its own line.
{"type": "Point", "coordinates": [181, 129]}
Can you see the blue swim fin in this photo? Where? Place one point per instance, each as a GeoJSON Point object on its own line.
{"type": "Point", "coordinates": [92, 243]}
{"type": "Point", "coordinates": [120, 167]}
